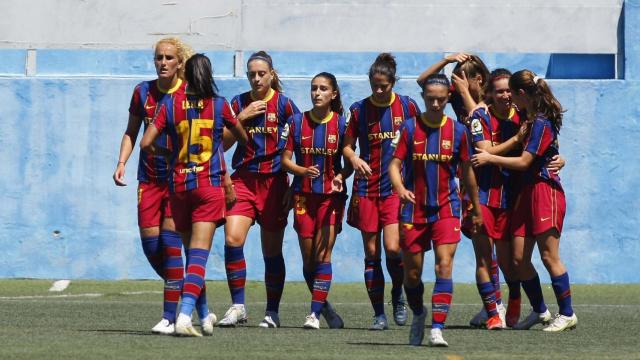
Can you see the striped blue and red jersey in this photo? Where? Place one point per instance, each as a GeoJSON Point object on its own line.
{"type": "Point", "coordinates": [316, 142]}
{"type": "Point", "coordinates": [542, 142]}
{"type": "Point", "coordinates": [430, 154]}
{"type": "Point", "coordinates": [495, 187]}
{"type": "Point", "coordinates": [375, 125]}
{"type": "Point", "coordinates": [146, 100]}
{"type": "Point", "coordinates": [262, 152]}
{"type": "Point", "coordinates": [195, 125]}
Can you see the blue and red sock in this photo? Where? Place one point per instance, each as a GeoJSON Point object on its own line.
{"type": "Point", "coordinates": [236, 268]}
{"type": "Point", "coordinates": [534, 292]}
{"type": "Point", "coordinates": [321, 286]}
{"type": "Point", "coordinates": [415, 298]}
{"type": "Point", "coordinates": [441, 302]}
{"type": "Point", "coordinates": [152, 248]}
{"type": "Point", "coordinates": [374, 281]}
{"type": "Point", "coordinates": [194, 281]}
{"type": "Point", "coordinates": [495, 278]}
{"type": "Point", "coordinates": [395, 267]}
{"type": "Point", "coordinates": [488, 295]}
{"type": "Point", "coordinates": [562, 289]}
{"type": "Point", "coordinates": [274, 275]}
{"type": "Point", "coordinates": [173, 272]}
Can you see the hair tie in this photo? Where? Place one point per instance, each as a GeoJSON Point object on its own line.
{"type": "Point", "coordinates": [536, 79]}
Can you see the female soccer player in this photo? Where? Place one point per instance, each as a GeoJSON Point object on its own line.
{"type": "Point", "coordinates": [316, 138]}
{"type": "Point", "coordinates": [160, 243]}
{"type": "Point", "coordinates": [195, 124]}
{"type": "Point", "coordinates": [429, 149]}
{"type": "Point", "coordinates": [374, 205]}
{"type": "Point", "coordinates": [539, 214]}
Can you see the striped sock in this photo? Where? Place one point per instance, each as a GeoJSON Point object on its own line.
{"type": "Point", "coordinates": [488, 295]}
{"type": "Point", "coordinates": [414, 298]}
{"type": "Point", "coordinates": [514, 289]}
{"type": "Point", "coordinates": [173, 272]}
{"type": "Point", "coordinates": [308, 278]}
{"type": "Point", "coordinates": [274, 274]}
{"type": "Point", "coordinates": [562, 289]}
{"type": "Point", "coordinates": [374, 281]}
{"type": "Point", "coordinates": [395, 267]}
{"type": "Point", "coordinates": [534, 292]}
{"type": "Point", "coordinates": [236, 272]}
{"type": "Point", "coordinates": [321, 286]}
{"type": "Point", "coordinates": [441, 302]}
{"type": "Point", "coordinates": [152, 248]}
{"type": "Point", "coordinates": [495, 278]}
{"type": "Point", "coordinates": [202, 306]}
{"type": "Point", "coordinates": [194, 281]}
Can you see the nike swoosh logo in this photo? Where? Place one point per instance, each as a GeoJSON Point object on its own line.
{"type": "Point", "coordinates": [149, 107]}
{"type": "Point", "coordinates": [545, 219]}
{"type": "Point", "coordinates": [305, 137]}
{"type": "Point", "coordinates": [456, 229]}
{"type": "Point", "coordinates": [418, 142]}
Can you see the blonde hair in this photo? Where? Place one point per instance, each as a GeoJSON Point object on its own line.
{"type": "Point", "coordinates": [183, 51]}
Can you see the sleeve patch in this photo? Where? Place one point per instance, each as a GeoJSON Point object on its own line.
{"type": "Point", "coordinates": [476, 127]}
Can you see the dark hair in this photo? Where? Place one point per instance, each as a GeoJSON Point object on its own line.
{"type": "Point", "coordinates": [472, 67]}
{"type": "Point", "coordinates": [540, 94]}
{"type": "Point", "coordinates": [336, 104]}
{"type": "Point", "coordinates": [385, 64]}
{"type": "Point", "coordinates": [199, 76]}
{"type": "Point", "coordinates": [436, 79]}
{"type": "Point", "coordinates": [497, 74]}
{"type": "Point", "coordinates": [276, 84]}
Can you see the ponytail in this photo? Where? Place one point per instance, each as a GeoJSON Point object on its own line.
{"type": "Point", "coordinates": [542, 99]}
{"type": "Point", "coordinates": [199, 76]}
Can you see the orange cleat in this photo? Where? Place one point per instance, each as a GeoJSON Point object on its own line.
{"type": "Point", "coordinates": [513, 312]}
{"type": "Point", "coordinates": [494, 323]}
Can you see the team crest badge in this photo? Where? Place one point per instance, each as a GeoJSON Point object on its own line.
{"type": "Point", "coordinates": [476, 127]}
{"type": "Point", "coordinates": [271, 117]}
{"type": "Point", "coordinates": [446, 144]}
{"type": "Point", "coordinates": [332, 139]}
{"type": "Point", "coordinates": [397, 120]}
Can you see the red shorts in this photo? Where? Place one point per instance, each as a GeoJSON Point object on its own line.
{"type": "Point", "coordinates": [371, 214]}
{"type": "Point", "coordinates": [259, 197]}
{"type": "Point", "coordinates": [313, 211]}
{"type": "Point", "coordinates": [541, 207]}
{"type": "Point", "coordinates": [415, 238]}
{"type": "Point", "coordinates": [496, 222]}
{"type": "Point", "coordinates": [153, 204]}
{"type": "Point", "coordinates": [202, 204]}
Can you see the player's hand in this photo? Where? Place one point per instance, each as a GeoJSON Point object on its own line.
{"type": "Point", "coordinates": [118, 175]}
{"type": "Point", "coordinates": [523, 131]}
{"type": "Point", "coordinates": [287, 199]}
{"type": "Point", "coordinates": [407, 196]}
{"type": "Point", "coordinates": [556, 164]}
{"type": "Point", "coordinates": [361, 167]}
{"type": "Point", "coordinates": [254, 109]}
{"type": "Point", "coordinates": [481, 105]}
{"type": "Point", "coordinates": [482, 157]}
{"type": "Point", "coordinates": [312, 172]}
{"type": "Point", "coordinates": [229, 195]}
{"type": "Point", "coordinates": [337, 184]}
{"type": "Point", "coordinates": [461, 83]}
{"type": "Point", "coordinates": [476, 220]}
{"type": "Point", "coordinates": [458, 57]}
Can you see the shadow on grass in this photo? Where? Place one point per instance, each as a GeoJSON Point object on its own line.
{"type": "Point", "coordinates": [121, 332]}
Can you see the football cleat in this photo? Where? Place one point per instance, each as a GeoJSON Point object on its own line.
{"type": "Point", "coordinates": [271, 320]}
{"type": "Point", "coordinates": [311, 322]}
{"type": "Point", "coordinates": [164, 327]}
{"type": "Point", "coordinates": [207, 324]}
{"type": "Point", "coordinates": [379, 323]}
{"type": "Point", "coordinates": [416, 333]}
{"type": "Point", "coordinates": [532, 319]}
{"type": "Point", "coordinates": [237, 314]}
{"type": "Point", "coordinates": [479, 319]}
{"type": "Point", "coordinates": [502, 313]}
{"type": "Point", "coordinates": [185, 328]}
{"type": "Point", "coordinates": [513, 312]}
{"type": "Point", "coordinates": [400, 313]}
{"type": "Point", "coordinates": [436, 339]}
{"type": "Point", "coordinates": [494, 323]}
{"type": "Point", "coordinates": [561, 323]}
{"type": "Point", "coordinates": [334, 321]}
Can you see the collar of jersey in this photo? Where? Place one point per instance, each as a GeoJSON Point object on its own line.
{"type": "Point", "coordinates": [434, 125]}
{"type": "Point", "coordinates": [375, 103]}
{"type": "Point", "coordinates": [320, 121]}
{"type": "Point", "coordinates": [172, 90]}
{"type": "Point", "coordinates": [266, 98]}
{"type": "Point", "coordinates": [512, 111]}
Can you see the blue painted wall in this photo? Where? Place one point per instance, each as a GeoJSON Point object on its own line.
{"type": "Point", "coordinates": [62, 217]}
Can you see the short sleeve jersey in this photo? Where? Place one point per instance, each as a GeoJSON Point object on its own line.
{"type": "Point", "coordinates": [542, 142]}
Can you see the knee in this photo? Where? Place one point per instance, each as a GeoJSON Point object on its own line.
{"type": "Point", "coordinates": [393, 251]}
{"type": "Point", "coordinates": [412, 276]}
{"type": "Point", "coordinates": [549, 259]}
{"type": "Point", "coordinates": [444, 268]}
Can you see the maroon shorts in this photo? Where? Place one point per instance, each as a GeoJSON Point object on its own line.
{"type": "Point", "coordinates": [202, 204]}
{"type": "Point", "coordinates": [260, 197]}
{"type": "Point", "coordinates": [496, 222]}
{"type": "Point", "coordinates": [313, 211]}
{"type": "Point", "coordinates": [153, 204]}
{"type": "Point", "coordinates": [372, 214]}
{"type": "Point", "coordinates": [415, 238]}
{"type": "Point", "coordinates": [541, 207]}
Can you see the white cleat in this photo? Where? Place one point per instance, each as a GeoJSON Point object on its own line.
{"type": "Point", "coordinates": [416, 333]}
{"type": "Point", "coordinates": [311, 322]}
{"type": "Point", "coordinates": [271, 320]}
{"type": "Point", "coordinates": [207, 324]}
{"type": "Point", "coordinates": [532, 319]}
{"type": "Point", "coordinates": [184, 327]}
{"type": "Point", "coordinates": [334, 321]}
{"type": "Point", "coordinates": [164, 327]}
{"type": "Point", "coordinates": [561, 323]}
{"type": "Point", "coordinates": [436, 339]}
{"type": "Point", "coordinates": [479, 319]}
{"type": "Point", "coordinates": [236, 314]}
{"type": "Point", "coordinates": [502, 312]}
{"type": "Point", "coordinates": [379, 323]}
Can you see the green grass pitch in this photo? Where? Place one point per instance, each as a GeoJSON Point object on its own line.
{"type": "Point", "coordinates": [107, 320]}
